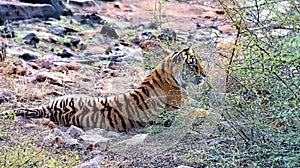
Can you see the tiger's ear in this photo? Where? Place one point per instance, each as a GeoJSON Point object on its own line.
{"type": "Point", "coordinates": [179, 57]}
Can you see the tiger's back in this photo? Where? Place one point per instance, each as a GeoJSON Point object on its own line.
{"type": "Point", "coordinates": [161, 90]}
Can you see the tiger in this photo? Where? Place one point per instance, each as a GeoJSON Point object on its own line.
{"type": "Point", "coordinates": [162, 90]}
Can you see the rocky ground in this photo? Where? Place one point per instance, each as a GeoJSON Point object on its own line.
{"type": "Point", "coordinates": [106, 48]}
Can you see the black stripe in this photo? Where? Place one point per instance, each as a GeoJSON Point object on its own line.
{"type": "Point", "coordinates": [143, 101]}
{"type": "Point", "coordinates": [86, 117]}
{"type": "Point", "coordinates": [94, 113]}
{"type": "Point", "coordinates": [119, 106]}
{"type": "Point", "coordinates": [145, 91]}
{"type": "Point", "coordinates": [121, 118]}
{"type": "Point", "coordinates": [163, 68]}
{"type": "Point", "coordinates": [56, 111]}
{"type": "Point", "coordinates": [156, 83]}
{"type": "Point", "coordinates": [175, 82]}
{"type": "Point", "coordinates": [109, 113]}
{"type": "Point", "coordinates": [154, 90]}
{"type": "Point", "coordinates": [129, 109]}
{"type": "Point", "coordinates": [72, 105]}
{"type": "Point", "coordinates": [102, 121]}
{"type": "Point", "coordinates": [137, 102]}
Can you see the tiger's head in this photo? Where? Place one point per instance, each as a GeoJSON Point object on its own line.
{"type": "Point", "coordinates": [184, 67]}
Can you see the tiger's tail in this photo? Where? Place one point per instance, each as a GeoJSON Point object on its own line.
{"type": "Point", "coordinates": [27, 113]}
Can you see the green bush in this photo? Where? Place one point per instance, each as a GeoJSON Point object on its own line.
{"type": "Point", "coordinates": [262, 107]}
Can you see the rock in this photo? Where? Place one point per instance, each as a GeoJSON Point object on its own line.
{"type": "Point", "coordinates": [8, 31]}
{"type": "Point", "coordinates": [96, 18]}
{"type": "Point", "coordinates": [48, 140]}
{"type": "Point", "coordinates": [92, 19]}
{"type": "Point", "coordinates": [28, 56]}
{"type": "Point", "coordinates": [27, 21]}
{"type": "Point", "coordinates": [65, 53]}
{"type": "Point", "coordinates": [98, 141]}
{"type": "Point", "coordinates": [168, 35]}
{"type": "Point", "coordinates": [53, 78]}
{"type": "Point", "coordinates": [95, 131]}
{"type": "Point", "coordinates": [64, 139]}
{"type": "Point", "coordinates": [75, 132]}
{"type": "Point", "coordinates": [19, 11]}
{"type": "Point", "coordinates": [46, 64]}
{"type": "Point", "coordinates": [31, 39]}
{"type": "Point", "coordinates": [72, 41]}
{"type": "Point", "coordinates": [57, 4]}
{"type": "Point", "coordinates": [20, 68]}
{"type": "Point", "coordinates": [108, 31]}
{"type": "Point", "coordinates": [61, 30]}
{"type": "Point", "coordinates": [135, 140]}
{"type": "Point", "coordinates": [149, 43]}
{"type": "Point", "coordinates": [142, 37]}
{"type": "Point", "coordinates": [113, 134]}
{"type": "Point", "coordinates": [3, 52]}
{"type": "Point", "coordinates": [81, 3]}
{"type": "Point", "coordinates": [73, 66]}
{"type": "Point", "coordinates": [181, 166]}
{"type": "Point", "coordinates": [5, 96]}
{"type": "Point", "coordinates": [118, 52]}
{"type": "Point", "coordinates": [83, 46]}
{"type": "Point", "coordinates": [117, 5]}
{"type": "Point", "coordinates": [93, 163]}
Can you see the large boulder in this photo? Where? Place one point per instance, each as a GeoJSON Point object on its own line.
{"type": "Point", "coordinates": [21, 11]}
{"type": "Point", "coordinates": [57, 4]}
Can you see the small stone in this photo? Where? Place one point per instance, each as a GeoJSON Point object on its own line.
{"type": "Point", "coordinates": [20, 68]}
{"type": "Point", "coordinates": [48, 140]}
{"type": "Point", "coordinates": [51, 77]}
{"type": "Point", "coordinates": [65, 139]}
{"type": "Point", "coordinates": [112, 134]}
{"type": "Point", "coordinates": [95, 131]}
{"type": "Point", "coordinates": [47, 64]}
{"type": "Point", "coordinates": [65, 53]}
{"type": "Point", "coordinates": [81, 3]}
{"type": "Point", "coordinates": [135, 140]}
{"type": "Point", "coordinates": [5, 96]}
{"type": "Point", "coordinates": [28, 56]}
{"type": "Point", "coordinates": [93, 163]}
{"type": "Point", "coordinates": [31, 39]}
{"type": "Point", "coordinates": [73, 66]}
{"type": "Point", "coordinates": [168, 35]}
{"type": "Point", "coordinates": [3, 52]}
{"type": "Point", "coordinates": [83, 46]}
{"type": "Point", "coordinates": [8, 31]}
{"type": "Point", "coordinates": [60, 30]}
{"type": "Point", "coordinates": [72, 41]}
{"type": "Point", "coordinates": [117, 5]}
{"type": "Point", "coordinates": [75, 132]}
{"type": "Point", "coordinates": [108, 31]}
{"type": "Point", "coordinates": [98, 141]}
{"type": "Point", "coordinates": [96, 18]}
